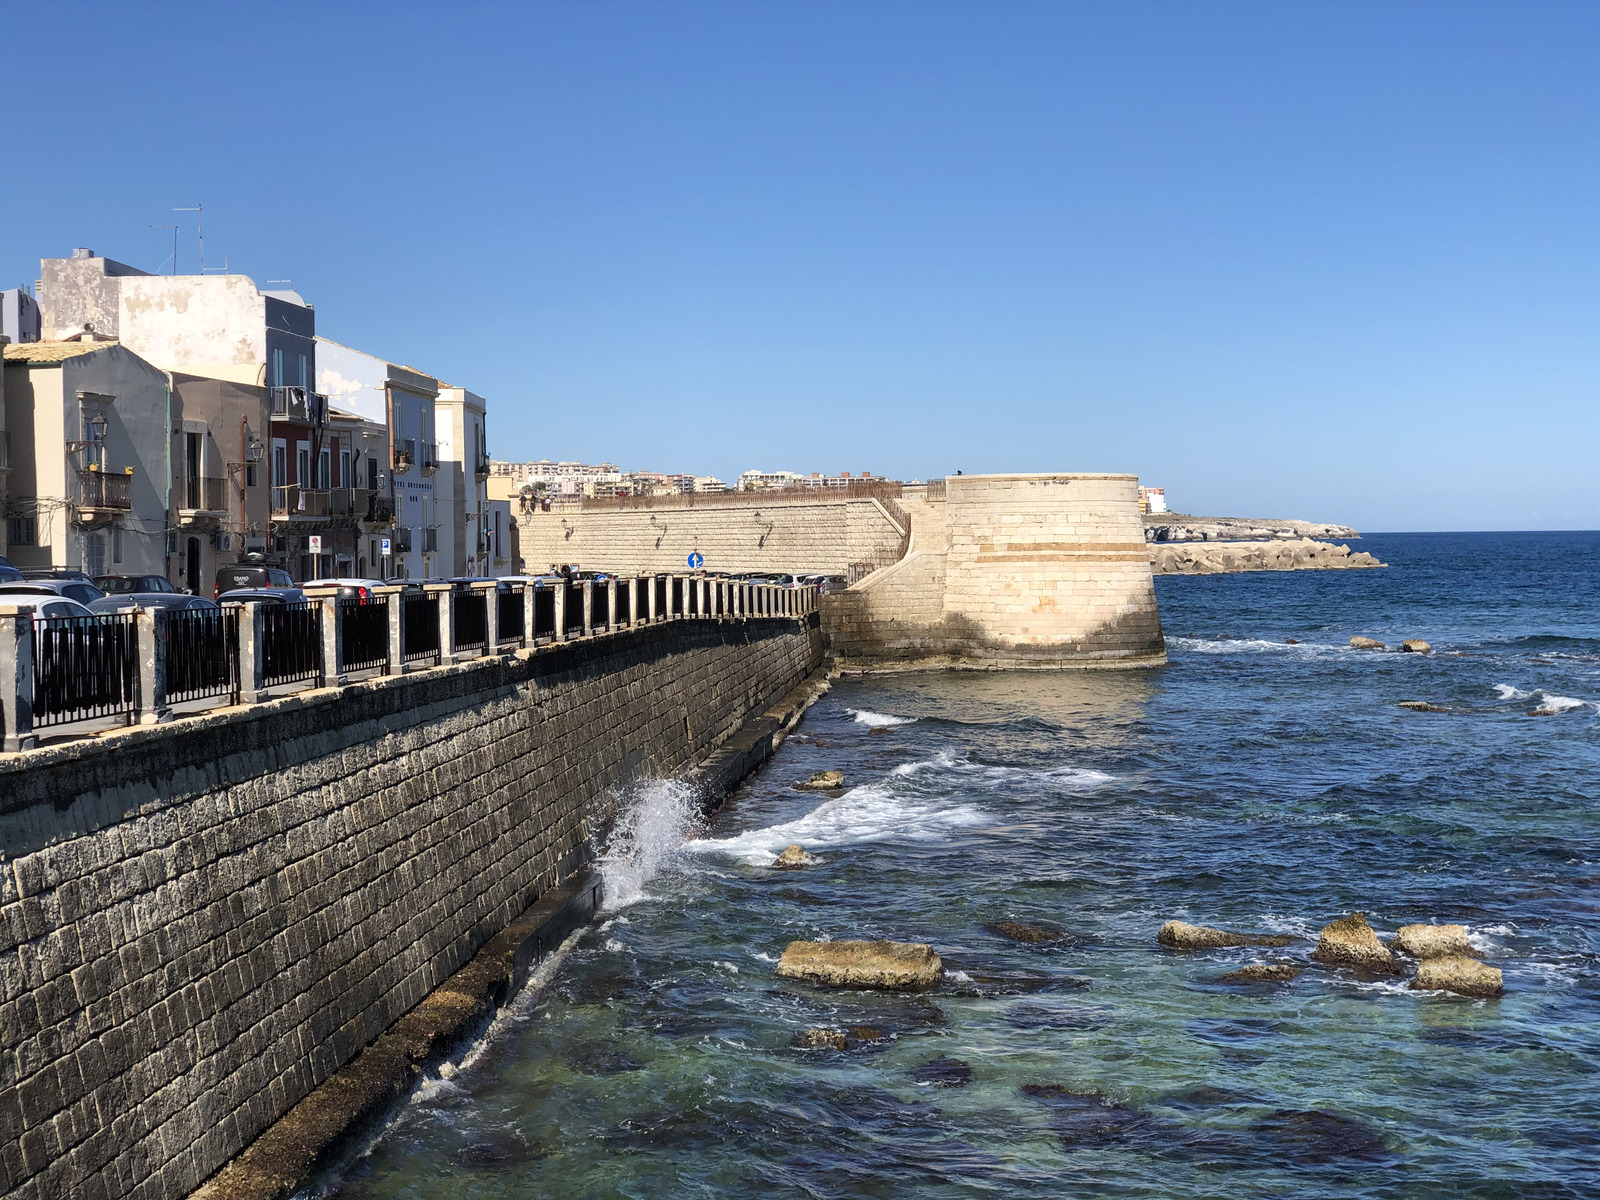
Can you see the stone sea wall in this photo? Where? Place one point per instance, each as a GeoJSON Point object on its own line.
{"type": "Point", "coordinates": [202, 922]}
{"type": "Point", "coordinates": [772, 534]}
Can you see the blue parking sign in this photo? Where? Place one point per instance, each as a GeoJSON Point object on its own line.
{"type": "Point", "coordinates": [696, 561]}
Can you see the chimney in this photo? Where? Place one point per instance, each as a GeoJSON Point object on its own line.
{"type": "Point", "coordinates": [83, 252]}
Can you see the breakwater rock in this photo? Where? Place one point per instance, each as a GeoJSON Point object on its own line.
{"type": "Point", "coordinates": [897, 966]}
{"type": "Point", "coordinates": [1180, 527]}
{"type": "Point", "coordinates": [1219, 558]}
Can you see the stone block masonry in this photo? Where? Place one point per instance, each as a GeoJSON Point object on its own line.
{"type": "Point", "coordinates": [201, 922]}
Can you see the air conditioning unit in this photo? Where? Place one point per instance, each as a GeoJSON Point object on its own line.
{"type": "Point", "coordinates": [224, 541]}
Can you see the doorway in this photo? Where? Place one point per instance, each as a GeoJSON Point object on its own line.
{"type": "Point", "coordinates": [192, 566]}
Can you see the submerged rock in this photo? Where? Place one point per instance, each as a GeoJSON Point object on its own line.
{"type": "Point", "coordinates": [1432, 941]}
{"type": "Point", "coordinates": [1421, 706]}
{"type": "Point", "coordinates": [899, 966]}
{"type": "Point", "coordinates": [1262, 973]}
{"type": "Point", "coordinates": [1350, 942]}
{"type": "Point", "coordinates": [821, 1039]}
{"type": "Point", "coordinates": [865, 1034]}
{"type": "Point", "coordinates": [823, 781]}
{"type": "Point", "coordinates": [878, 731]}
{"type": "Point", "coordinates": [943, 1072]}
{"type": "Point", "coordinates": [1016, 931]}
{"type": "Point", "coordinates": [1366, 643]}
{"type": "Point", "coordinates": [794, 857]}
{"type": "Point", "coordinates": [1180, 935]}
{"type": "Point", "coordinates": [1458, 973]}
{"type": "Point", "coordinates": [1291, 641]}
{"type": "Point", "coordinates": [1415, 646]}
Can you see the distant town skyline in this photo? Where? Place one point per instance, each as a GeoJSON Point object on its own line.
{"type": "Point", "coordinates": [1331, 261]}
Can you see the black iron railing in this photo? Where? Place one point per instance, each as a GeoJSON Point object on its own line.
{"type": "Point", "coordinates": [574, 613]}
{"type": "Point", "coordinates": [202, 653]}
{"type": "Point", "coordinates": [471, 620]}
{"type": "Point", "coordinates": [363, 633]}
{"type": "Point", "coordinates": [419, 628]}
{"type": "Point", "coordinates": [291, 642]}
{"type": "Point", "coordinates": [544, 613]}
{"type": "Point", "coordinates": [84, 668]}
{"type": "Point", "coordinates": [510, 614]}
{"type": "Point", "coordinates": [98, 489]}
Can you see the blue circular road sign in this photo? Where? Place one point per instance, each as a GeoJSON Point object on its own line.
{"type": "Point", "coordinates": [696, 560]}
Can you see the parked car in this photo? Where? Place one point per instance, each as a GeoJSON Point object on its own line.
{"type": "Point", "coordinates": [45, 604]}
{"type": "Point", "coordinates": [56, 573]}
{"type": "Point", "coordinates": [127, 585]}
{"type": "Point", "coordinates": [81, 590]}
{"type": "Point", "coordinates": [250, 575]}
{"type": "Point", "coordinates": [8, 573]}
{"type": "Point", "coordinates": [175, 600]}
{"type": "Point", "coordinates": [272, 595]}
{"type": "Point", "coordinates": [360, 589]}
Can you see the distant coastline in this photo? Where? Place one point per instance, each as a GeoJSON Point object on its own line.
{"type": "Point", "coordinates": [1182, 544]}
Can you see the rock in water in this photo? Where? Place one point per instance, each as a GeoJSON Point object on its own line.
{"type": "Point", "coordinates": [1415, 646]}
{"type": "Point", "coordinates": [821, 1039]}
{"type": "Point", "coordinates": [1460, 974]}
{"type": "Point", "coordinates": [1262, 973]}
{"type": "Point", "coordinates": [897, 966]}
{"type": "Point", "coordinates": [1366, 643]}
{"type": "Point", "coordinates": [794, 857]}
{"type": "Point", "coordinates": [943, 1072]}
{"type": "Point", "coordinates": [1180, 935]}
{"type": "Point", "coordinates": [1291, 641]}
{"type": "Point", "coordinates": [1350, 942]}
{"type": "Point", "coordinates": [1421, 706]}
{"type": "Point", "coordinates": [1016, 931]}
{"type": "Point", "coordinates": [1432, 941]}
{"type": "Point", "coordinates": [823, 781]}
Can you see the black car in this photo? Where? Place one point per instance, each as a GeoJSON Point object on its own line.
{"type": "Point", "coordinates": [127, 585]}
{"type": "Point", "coordinates": [272, 595]}
{"type": "Point", "coordinates": [256, 576]}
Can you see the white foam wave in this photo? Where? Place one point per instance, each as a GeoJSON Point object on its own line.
{"type": "Point", "coordinates": [1559, 704]}
{"type": "Point", "coordinates": [1251, 646]}
{"type": "Point", "coordinates": [877, 720]}
{"type": "Point", "coordinates": [1506, 692]}
{"type": "Point", "coordinates": [656, 819]}
{"type": "Point", "coordinates": [945, 760]}
{"type": "Point", "coordinates": [870, 813]}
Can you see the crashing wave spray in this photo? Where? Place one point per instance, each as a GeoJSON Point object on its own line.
{"type": "Point", "coordinates": [653, 822]}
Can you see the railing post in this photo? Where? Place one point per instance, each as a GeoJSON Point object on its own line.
{"type": "Point", "coordinates": [588, 607]}
{"type": "Point", "coordinates": [16, 677]}
{"type": "Point", "coordinates": [611, 603]}
{"type": "Point", "coordinates": [331, 623]}
{"type": "Point", "coordinates": [447, 620]}
{"type": "Point", "coordinates": [650, 586]}
{"type": "Point", "coordinates": [561, 611]}
{"type": "Point", "coordinates": [633, 602]}
{"type": "Point", "coordinates": [252, 668]}
{"type": "Point", "coordinates": [394, 609]}
{"type": "Point", "coordinates": [530, 608]}
{"type": "Point", "coordinates": [491, 617]}
{"type": "Point", "coordinates": [151, 624]}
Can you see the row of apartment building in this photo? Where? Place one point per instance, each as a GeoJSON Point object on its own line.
{"type": "Point", "coordinates": [561, 483]}
{"type": "Point", "coordinates": [172, 424]}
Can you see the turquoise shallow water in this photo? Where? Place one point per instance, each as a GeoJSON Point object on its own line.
{"type": "Point", "coordinates": [1250, 784]}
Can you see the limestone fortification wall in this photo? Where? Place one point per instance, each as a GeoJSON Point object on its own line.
{"type": "Point", "coordinates": [1009, 571]}
{"type": "Point", "coordinates": [201, 922]}
{"type": "Point", "coordinates": [798, 536]}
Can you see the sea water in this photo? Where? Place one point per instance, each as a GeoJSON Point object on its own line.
{"type": "Point", "coordinates": [1254, 784]}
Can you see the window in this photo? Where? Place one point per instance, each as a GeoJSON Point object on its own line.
{"type": "Point", "coordinates": [303, 382]}
{"type": "Point", "coordinates": [19, 531]}
{"type": "Point", "coordinates": [250, 475]}
{"type": "Point", "coordinates": [324, 462]}
{"type": "Point", "coordinates": [94, 555]}
{"type": "Point", "coordinates": [116, 544]}
{"type": "Point", "coordinates": [280, 463]}
{"type": "Point", "coordinates": [372, 473]}
{"type": "Point", "coordinates": [302, 464]}
{"type": "Point", "coordinates": [345, 478]}
{"type": "Point", "coordinates": [277, 367]}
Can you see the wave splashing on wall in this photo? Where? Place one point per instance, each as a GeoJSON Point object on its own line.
{"type": "Point", "coordinates": [654, 820]}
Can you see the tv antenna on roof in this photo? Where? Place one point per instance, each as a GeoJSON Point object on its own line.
{"type": "Point", "coordinates": [174, 229]}
{"type": "Point", "coordinates": [201, 209]}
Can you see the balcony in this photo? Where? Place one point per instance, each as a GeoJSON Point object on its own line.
{"type": "Point", "coordinates": [202, 499]}
{"type": "Point", "coordinates": [299, 405]}
{"type": "Point", "coordinates": [380, 508]}
{"type": "Point", "coordinates": [402, 541]}
{"type": "Point", "coordinates": [299, 502]}
{"type": "Point", "coordinates": [412, 453]}
{"type": "Point", "coordinates": [430, 539]}
{"type": "Point", "coordinates": [104, 495]}
{"type": "Point", "coordinates": [481, 468]}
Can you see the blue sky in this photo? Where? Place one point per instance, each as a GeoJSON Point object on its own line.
{"type": "Point", "coordinates": [1331, 260]}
